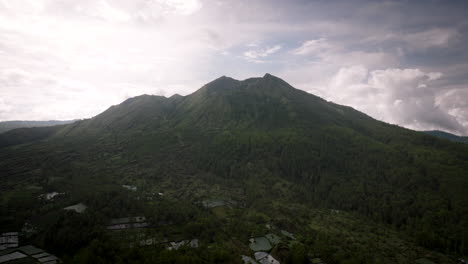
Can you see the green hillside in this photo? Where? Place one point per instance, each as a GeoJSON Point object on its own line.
{"type": "Point", "coordinates": [351, 189]}
{"type": "Point", "coordinates": [445, 135]}
{"type": "Point", "coordinates": [10, 125]}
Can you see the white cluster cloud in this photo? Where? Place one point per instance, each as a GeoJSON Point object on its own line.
{"type": "Point", "coordinates": [410, 97]}
{"type": "Point", "coordinates": [455, 103]}
{"type": "Point", "coordinates": [400, 96]}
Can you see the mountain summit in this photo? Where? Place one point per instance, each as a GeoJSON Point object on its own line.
{"type": "Point", "coordinates": [267, 102]}
{"type": "Point", "coordinates": [270, 149]}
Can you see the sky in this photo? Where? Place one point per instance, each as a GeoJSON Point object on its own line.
{"type": "Point", "coordinates": [403, 62]}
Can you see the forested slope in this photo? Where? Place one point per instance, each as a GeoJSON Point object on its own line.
{"type": "Point", "coordinates": [238, 132]}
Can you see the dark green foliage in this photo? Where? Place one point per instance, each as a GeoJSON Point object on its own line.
{"type": "Point", "coordinates": [298, 255]}
{"type": "Point", "coordinates": [276, 151]}
{"type": "Point", "coordinates": [25, 135]}
{"type": "Point", "coordinates": [70, 232]}
{"type": "Point", "coordinates": [445, 135]}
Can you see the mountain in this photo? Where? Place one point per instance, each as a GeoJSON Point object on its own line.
{"type": "Point", "coordinates": [271, 159]}
{"type": "Point", "coordinates": [446, 135]}
{"type": "Point", "coordinates": [9, 125]}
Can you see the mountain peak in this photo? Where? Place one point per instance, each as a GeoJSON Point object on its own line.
{"type": "Point", "coordinates": [269, 76]}
{"type": "Point", "coordinates": [220, 84]}
{"type": "Point", "coordinates": [228, 82]}
{"type": "Point", "coordinates": [222, 80]}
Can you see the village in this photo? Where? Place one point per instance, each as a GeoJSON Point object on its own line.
{"type": "Point", "coordinates": [135, 231]}
{"type": "Point", "coordinates": [268, 244]}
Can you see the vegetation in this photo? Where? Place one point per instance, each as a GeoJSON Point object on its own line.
{"type": "Point", "coordinates": [10, 125]}
{"type": "Point", "coordinates": [350, 188]}
{"type": "Point", "coordinates": [445, 135]}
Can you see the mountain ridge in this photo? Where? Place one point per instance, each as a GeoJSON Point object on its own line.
{"type": "Point", "coordinates": [10, 125]}
{"type": "Point", "coordinates": [446, 135]}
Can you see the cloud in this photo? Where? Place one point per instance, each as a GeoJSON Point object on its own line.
{"type": "Point", "coordinates": [255, 55]}
{"type": "Point", "coordinates": [19, 86]}
{"type": "Point", "coordinates": [334, 52]}
{"type": "Point", "coordinates": [4, 106]}
{"type": "Point", "coordinates": [417, 41]}
{"type": "Point", "coordinates": [111, 11]}
{"type": "Point", "coordinates": [436, 37]}
{"type": "Point", "coordinates": [319, 60]}
{"type": "Point", "coordinates": [185, 7]}
{"type": "Point", "coordinates": [312, 46]}
{"type": "Point", "coordinates": [400, 96]}
{"type": "Point", "coordinates": [454, 103]}
{"type": "Point", "coordinates": [53, 66]}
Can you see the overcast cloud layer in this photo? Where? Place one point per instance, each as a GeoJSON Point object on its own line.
{"type": "Point", "coordinates": [404, 62]}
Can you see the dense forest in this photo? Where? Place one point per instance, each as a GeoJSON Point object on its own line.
{"type": "Point", "coordinates": [350, 188]}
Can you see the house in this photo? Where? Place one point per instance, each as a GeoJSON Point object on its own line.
{"type": "Point", "coordinates": [176, 245]}
{"type": "Point", "coordinates": [50, 196]}
{"type": "Point", "coordinates": [265, 258]}
{"type": "Point", "coordinates": [424, 261]}
{"type": "Point", "coordinates": [8, 240]}
{"type": "Point", "coordinates": [316, 261]}
{"type": "Point", "coordinates": [79, 208]}
{"type": "Point", "coordinates": [130, 187]}
{"type": "Point", "coordinates": [128, 222]}
{"type": "Point", "coordinates": [27, 254]}
{"type": "Point", "coordinates": [248, 260]}
{"type": "Point", "coordinates": [260, 244]}
{"type": "Point", "coordinates": [288, 234]}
